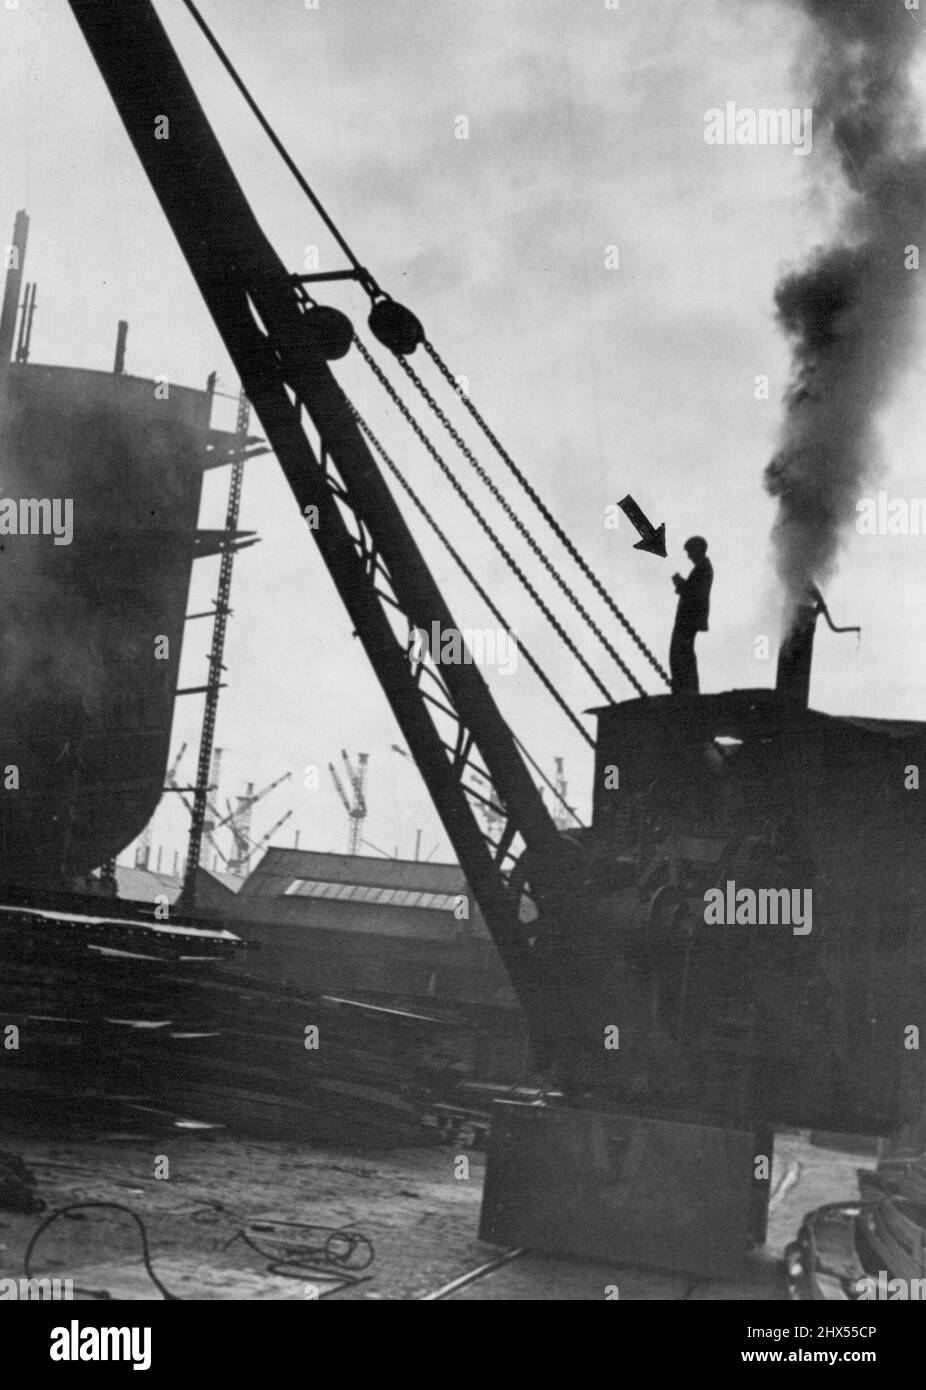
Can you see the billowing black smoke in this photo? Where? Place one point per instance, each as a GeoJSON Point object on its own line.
{"type": "Point", "coordinates": [849, 312]}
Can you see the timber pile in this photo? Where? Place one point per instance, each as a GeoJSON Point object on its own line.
{"type": "Point", "coordinates": [130, 1025]}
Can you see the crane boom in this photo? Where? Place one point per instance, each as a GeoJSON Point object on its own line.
{"type": "Point", "coordinates": [378, 570]}
{"type": "Point", "coordinates": [357, 781]}
{"type": "Point", "coordinates": [264, 839]}
{"type": "Point", "coordinates": [249, 800]}
{"type": "Point", "coordinates": [172, 771]}
{"type": "Point", "coordinates": [554, 960]}
{"type": "Point", "coordinates": [341, 792]}
{"type": "Point", "coordinates": [356, 810]}
{"type": "Point", "coordinates": [271, 786]}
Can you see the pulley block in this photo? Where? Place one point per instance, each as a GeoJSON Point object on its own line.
{"type": "Point", "coordinates": [329, 331]}
{"type": "Point", "coordinates": [395, 327]}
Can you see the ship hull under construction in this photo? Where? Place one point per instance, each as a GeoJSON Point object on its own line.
{"type": "Point", "coordinates": [92, 623]}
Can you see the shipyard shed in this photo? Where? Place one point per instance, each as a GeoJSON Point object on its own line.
{"type": "Point", "coordinates": [395, 927]}
{"type": "Point", "coordinates": [359, 893]}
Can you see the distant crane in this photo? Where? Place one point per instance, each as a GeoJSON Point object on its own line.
{"type": "Point", "coordinates": [238, 821]}
{"type": "Point", "coordinates": [143, 848]}
{"type": "Point", "coordinates": [488, 805]}
{"type": "Point", "coordinates": [563, 816]}
{"type": "Point", "coordinates": [238, 818]}
{"type": "Point", "coordinates": [265, 839]}
{"type": "Point", "coordinates": [356, 807]}
{"type": "Point", "coordinates": [171, 778]}
{"type": "Point", "coordinates": [209, 826]}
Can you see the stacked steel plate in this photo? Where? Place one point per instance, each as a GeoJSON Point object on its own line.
{"type": "Point", "coordinates": [126, 1024]}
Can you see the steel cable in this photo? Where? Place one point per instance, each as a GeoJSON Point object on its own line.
{"type": "Point", "coordinates": [364, 276]}
{"type": "Point", "coordinates": [545, 512]}
{"type": "Point", "coordinates": [519, 524]}
{"type": "Point", "coordinates": [495, 539]}
{"type": "Point", "coordinates": [462, 565]}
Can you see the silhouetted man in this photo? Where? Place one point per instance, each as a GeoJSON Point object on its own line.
{"type": "Point", "coordinates": [694, 603]}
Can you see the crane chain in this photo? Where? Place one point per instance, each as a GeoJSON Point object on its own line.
{"type": "Point", "coordinates": [461, 563]}
{"type": "Point", "coordinates": [496, 541]}
{"type": "Point", "coordinates": [516, 520]}
{"type": "Point", "coordinates": [539, 503]}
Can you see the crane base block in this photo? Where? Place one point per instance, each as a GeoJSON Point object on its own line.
{"type": "Point", "coordinates": [621, 1189]}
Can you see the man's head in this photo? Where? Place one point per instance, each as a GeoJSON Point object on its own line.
{"type": "Point", "coordinates": [696, 549]}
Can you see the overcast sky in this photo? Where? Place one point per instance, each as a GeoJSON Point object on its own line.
{"type": "Point", "coordinates": [586, 130]}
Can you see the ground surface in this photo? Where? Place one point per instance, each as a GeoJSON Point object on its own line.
{"type": "Point", "coordinates": [422, 1221]}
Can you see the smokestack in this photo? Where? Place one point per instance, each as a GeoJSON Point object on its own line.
{"type": "Point", "coordinates": [15, 259]}
{"type": "Point", "coordinates": [25, 325]}
{"type": "Point", "coordinates": [122, 332]}
{"type": "Point", "coordinates": [848, 312]}
{"type": "Point", "coordinates": [795, 656]}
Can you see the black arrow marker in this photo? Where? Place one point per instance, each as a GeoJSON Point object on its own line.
{"type": "Point", "coordinates": [653, 538]}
